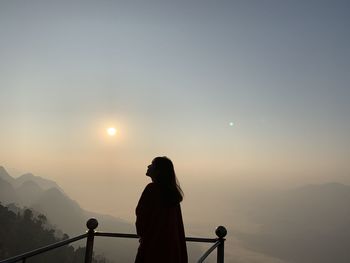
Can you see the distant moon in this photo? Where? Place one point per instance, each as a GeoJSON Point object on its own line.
{"type": "Point", "coordinates": [231, 124]}
{"type": "Point", "coordinates": [111, 131]}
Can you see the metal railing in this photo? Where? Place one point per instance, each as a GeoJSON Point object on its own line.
{"type": "Point", "coordinates": [92, 224]}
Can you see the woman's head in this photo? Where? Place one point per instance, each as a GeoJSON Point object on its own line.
{"type": "Point", "coordinates": [162, 171]}
{"type": "Point", "coordinates": [161, 166]}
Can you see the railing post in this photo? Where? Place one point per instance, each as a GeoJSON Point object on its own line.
{"type": "Point", "coordinates": [221, 232]}
{"type": "Point", "coordinates": [91, 224]}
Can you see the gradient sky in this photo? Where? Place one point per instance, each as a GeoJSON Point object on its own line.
{"type": "Point", "coordinates": [171, 76]}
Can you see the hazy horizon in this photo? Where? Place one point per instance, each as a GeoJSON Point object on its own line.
{"type": "Point", "coordinates": [239, 208]}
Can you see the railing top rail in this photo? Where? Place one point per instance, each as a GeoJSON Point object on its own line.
{"type": "Point", "coordinates": [43, 249]}
{"type": "Point", "coordinates": [123, 235]}
{"type": "Point", "coordinates": [109, 234]}
{"type": "Point", "coordinates": [201, 239]}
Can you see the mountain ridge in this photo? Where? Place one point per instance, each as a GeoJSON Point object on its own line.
{"type": "Point", "coordinates": [65, 213]}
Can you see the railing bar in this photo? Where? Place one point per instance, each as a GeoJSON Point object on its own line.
{"type": "Point", "coordinates": [200, 239]}
{"type": "Point", "coordinates": [104, 234]}
{"type": "Point", "coordinates": [189, 239]}
{"type": "Point", "coordinates": [43, 249]}
{"type": "Point", "coordinates": [207, 253]}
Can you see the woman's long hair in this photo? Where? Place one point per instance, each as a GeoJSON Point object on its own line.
{"type": "Point", "coordinates": [167, 179]}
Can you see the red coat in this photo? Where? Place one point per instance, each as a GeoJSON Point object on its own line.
{"type": "Point", "coordinates": [160, 227]}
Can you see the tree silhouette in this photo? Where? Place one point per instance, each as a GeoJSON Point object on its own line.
{"type": "Point", "coordinates": [22, 231]}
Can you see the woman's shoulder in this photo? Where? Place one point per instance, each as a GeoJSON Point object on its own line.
{"type": "Point", "coordinates": [151, 192]}
{"type": "Point", "coordinates": [152, 187]}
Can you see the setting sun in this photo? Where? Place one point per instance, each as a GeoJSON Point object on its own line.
{"type": "Point", "coordinates": [111, 131]}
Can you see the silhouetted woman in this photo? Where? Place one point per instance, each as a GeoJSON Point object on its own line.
{"type": "Point", "coordinates": [158, 217]}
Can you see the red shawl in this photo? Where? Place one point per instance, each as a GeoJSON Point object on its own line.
{"type": "Point", "coordinates": [160, 227]}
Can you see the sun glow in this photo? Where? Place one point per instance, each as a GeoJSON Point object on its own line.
{"type": "Point", "coordinates": [111, 131]}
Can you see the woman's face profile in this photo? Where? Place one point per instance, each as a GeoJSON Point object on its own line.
{"type": "Point", "coordinates": [151, 170]}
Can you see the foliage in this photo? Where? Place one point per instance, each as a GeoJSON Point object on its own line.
{"type": "Point", "coordinates": [21, 232]}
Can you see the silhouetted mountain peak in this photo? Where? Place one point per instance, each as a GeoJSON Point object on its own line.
{"type": "Point", "coordinates": [55, 196]}
{"type": "Point", "coordinates": [28, 175]}
{"type": "Point", "coordinates": [5, 175]}
{"type": "Point", "coordinates": [4, 184]}
{"type": "Point", "coordinates": [32, 185]}
{"type": "Point", "coordinates": [29, 192]}
{"type": "Point", "coordinates": [54, 192]}
{"type": "Point", "coordinates": [44, 184]}
{"type": "Point", "coordinates": [7, 192]}
{"type": "Point", "coordinates": [2, 170]}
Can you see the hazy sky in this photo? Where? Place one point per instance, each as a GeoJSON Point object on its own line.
{"type": "Point", "coordinates": [171, 76]}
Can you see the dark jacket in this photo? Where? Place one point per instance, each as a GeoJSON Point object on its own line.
{"type": "Point", "coordinates": [160, 227]}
